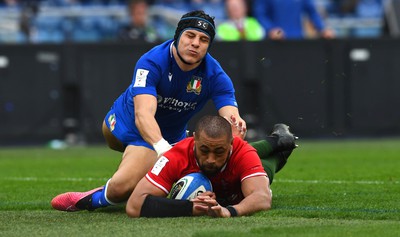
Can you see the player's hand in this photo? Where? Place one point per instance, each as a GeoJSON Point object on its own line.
{"type": "Point", "coordinates": [276, 34]}
{"type": "Point", "coordinates": [200, 207]}
{"type": "Point", "coordinates": [219, 211]}
{"type": "Point", "coordinates": [208, 194]}
{"type": "Point", "coordinates": [238, 126]}
{"type": "Point", "coordinates": [209, 206]}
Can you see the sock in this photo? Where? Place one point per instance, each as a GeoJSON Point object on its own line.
{"type": "Point", "coordinates": [272, 162]}
{"type": "Point", "coordinates": [264, 147]}
{"type": "Point", "coordinates": [270, 167]}
{"type": "Point", "coordinates": [99, 198]}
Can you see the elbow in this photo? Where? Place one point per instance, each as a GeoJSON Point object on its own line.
{"type": "Point", "coordinates": [132, 211]}
{"type": "Point", "coordinates": [267, 201]}
{"type": "Point", "coordinates": [134, 206]}
{"type": "Point", "coordinates": [267, 205]}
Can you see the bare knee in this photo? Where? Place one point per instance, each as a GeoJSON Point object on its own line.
{"type": "Point", "coordinates": [118, 191]}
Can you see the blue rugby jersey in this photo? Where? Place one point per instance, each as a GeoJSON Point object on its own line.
{"type": "Point", "coordinates": [180, 95]}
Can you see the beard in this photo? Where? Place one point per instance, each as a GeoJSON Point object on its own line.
{"type": "Point", "coordinates": [210, 170]}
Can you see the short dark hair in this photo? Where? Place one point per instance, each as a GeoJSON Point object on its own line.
{"type": "Point", "coordinates": [213, 126]}
{"type": "Point", "coordinates": [198, 20]}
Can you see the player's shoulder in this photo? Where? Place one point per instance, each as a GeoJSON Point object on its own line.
{"type": "Point", "coordinates": [213, 68]}
{"type": "Point", "coordinates": [241, 146]}
{"type": "Point", "coordinates": [211, 62]}
{"type": "Point", "coordinates": [181, 149]}
{"type": "Point", "coordinates": [158, 55]}
{"type": "Point", "coordinates": [184, 145]}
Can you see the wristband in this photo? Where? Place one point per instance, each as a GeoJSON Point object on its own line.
{"type": "Point", "coordinates": [232, 210]}
{"type": "Point", "coordinates": [164, 207]}
{"type": "Point", "coordinates": [161, 147]}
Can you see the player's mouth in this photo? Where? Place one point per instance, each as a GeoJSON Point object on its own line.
{"type": "Point", "coordinates": [193, 52]}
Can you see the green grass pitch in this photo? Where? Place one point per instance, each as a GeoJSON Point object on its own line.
{"type": "Point", "coordinates": [328, 188]}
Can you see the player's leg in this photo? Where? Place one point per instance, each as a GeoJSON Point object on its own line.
{"type": "Point", "coordinates": [111, 140]}
{"type": "Point", "coordinates": [136, 161]}
{"type": "Point", "coordinates": [275, 163]}
{"type": "Point", "coordinates": [275, 149]}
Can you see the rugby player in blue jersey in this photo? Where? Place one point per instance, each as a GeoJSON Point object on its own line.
{"type": "Point", "coordinates": [171, 83]}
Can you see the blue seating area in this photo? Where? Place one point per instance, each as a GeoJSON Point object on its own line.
{"type": "Point", "coordinates": [364, 20]}
{"type": "Point", "coordinates": [59, 21]}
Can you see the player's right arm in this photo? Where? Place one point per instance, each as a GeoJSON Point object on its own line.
{"type": "Point", "coordinates": [148, 200]}
{"type": "Point", "coordinates": [145, 110]}
{"type": "Point", "coordinates": [139, 195]}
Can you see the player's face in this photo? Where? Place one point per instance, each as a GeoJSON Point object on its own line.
{"type": "Point", "coordinates": [193, 46]}
{"type": "Point", "coordinates": [212, 153]}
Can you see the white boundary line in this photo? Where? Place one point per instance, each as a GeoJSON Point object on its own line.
{"type": "Point", "coordinates": [40, 179]}
{"type": "Point", "coordinates": [366, 182]}
{"type": "Point", "coordinates": [335, 181]}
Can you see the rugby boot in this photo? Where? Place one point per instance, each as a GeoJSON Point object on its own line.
{"type": "Point", "coordinates": [286, 140]}
{"type": "Point", "coordinates": [74, 201]}
{"type": "Point", "coordinates": [283, 157]}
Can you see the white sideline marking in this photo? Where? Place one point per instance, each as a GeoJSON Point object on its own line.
{"type": "Point", "coordinates": [368, 182]}
{"type": "Point", "coordinates": [335, 181]}
{"type": "Point", "coordinates": [35, 179]}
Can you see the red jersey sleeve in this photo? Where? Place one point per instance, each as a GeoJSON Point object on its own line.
{"type": "Point", "coordinates": [247, 162]}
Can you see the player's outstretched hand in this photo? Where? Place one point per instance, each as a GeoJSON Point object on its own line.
{"type": "Point", "coordinates": [200, 207]}
{"type": "Point", "coordinates": [238, 127]}
{"type": "Point", "coordinates": [209, 206]}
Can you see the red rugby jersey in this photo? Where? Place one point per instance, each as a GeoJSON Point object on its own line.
{"type": "Point", "coordinates": [180, 161]}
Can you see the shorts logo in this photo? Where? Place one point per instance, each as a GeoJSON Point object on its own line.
{"type": "Point", "coordinates": [194, 85]}
{"type": "Point", "coordinates": [112, 120]}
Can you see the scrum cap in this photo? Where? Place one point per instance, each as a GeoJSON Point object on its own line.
{"type": "Point", "coordinates": [197, 20]}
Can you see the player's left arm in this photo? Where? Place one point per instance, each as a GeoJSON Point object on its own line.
{"type": "Point", "coordinates": [257, 198]}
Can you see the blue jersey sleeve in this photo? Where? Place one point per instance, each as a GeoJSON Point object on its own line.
{"type": "Point", "coordinates": [149, 69]}
{"type": "Point", "coordinates": [145, 78]}
{"type": "Point", "coordinates": [223, 92]}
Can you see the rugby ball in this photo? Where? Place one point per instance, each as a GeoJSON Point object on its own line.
{"type": "Point", "coordinates": [190, 186]}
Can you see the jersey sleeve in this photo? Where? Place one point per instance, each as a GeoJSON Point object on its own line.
{"type": "Point", "coordinates": [170, 167]}
{"type": "Point", "coordinates": [223, 92]}
{"type": "Point", "coordinates": [145, 77]}
{"type": "Point", "coordinates": [161, 174]}
{"type": "Point", "coordinates": [249, 163]}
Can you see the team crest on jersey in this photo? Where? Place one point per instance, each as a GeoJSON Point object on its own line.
{"type": "Point", "coordinates": [112, 120]}
{"type": "Point", "coordinates": [194, 85]}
